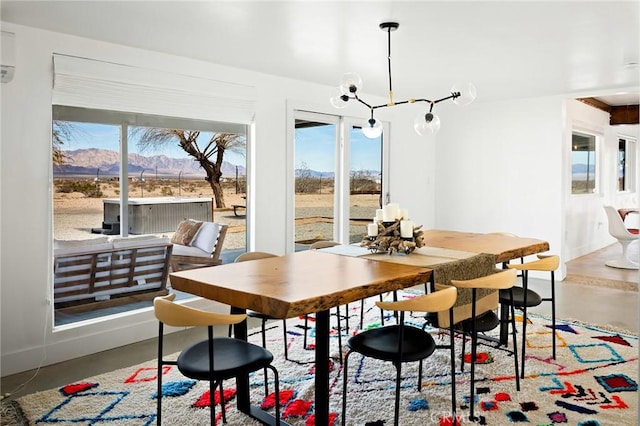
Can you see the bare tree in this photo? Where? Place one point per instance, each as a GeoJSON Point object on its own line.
{"type": "Point", "coordinates": [61, 131]}
{"type": "Point", "coordinates": [210, 155]}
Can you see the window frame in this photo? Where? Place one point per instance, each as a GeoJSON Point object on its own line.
{"type": "Point", "coordinates": [124, 121]}
{"type": "Point", "coordinates": [597, 141]}
{"type": "Point", "coordinates": [629, 166]}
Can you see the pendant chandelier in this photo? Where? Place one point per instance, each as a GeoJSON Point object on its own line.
{"type": "Point", "coordinates": [426, 122]}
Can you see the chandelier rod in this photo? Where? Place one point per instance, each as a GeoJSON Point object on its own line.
{"type": "Point", "coordinates": [424, 122]}
{"type": "Point", "coordinates": [389, 29]}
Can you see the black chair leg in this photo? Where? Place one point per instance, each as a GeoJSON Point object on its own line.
{"type": "Point", "coordinates": [212, 403]}
{"type": "Point", "coordinates": [396, 411]}
{"type": "Point", "coordinates": [464, 341]}
{"type": "Point", "coordinates": [515, 342]}
{"type": "Point", "coordinates": [504, 324]}
{"type": "Point", "coordinates": [277, 392]}
{"type": "Point", "coordinates": [346, 317]}
{"type": "Point", "coordinates": [159, 394]}
{"type": "Point", "coordinates": [525, 282]}
{"type": "Point", "coordinates": [472, 393]}
{"type": "Point", "coordinates": [553, 313]}
{"type": "Point", "coordinates": [524, 339]}
{"type": "Point", "coordinates": [339, 335]}
{"type": "Point", "coordinates": [454, 416]}
{"type": "Point", "coordinates": [284, 337]}
{"type": "Point", "coordinates": [344, 388]}
{"type": "Point", "coordinates": [264, 345]}
{"type": "Point", "coordinates": [159, 374]}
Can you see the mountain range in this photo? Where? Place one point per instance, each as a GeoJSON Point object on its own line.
{"type": "Point", "coordinates": [106, 163]}
{"type": "Point", "coordinates": [103, 162]}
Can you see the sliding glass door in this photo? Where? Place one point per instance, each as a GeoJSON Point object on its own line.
{"type": "Point", "coordinates": [337, 179]}
{"type": "Point", "coordinates": [315, 180]}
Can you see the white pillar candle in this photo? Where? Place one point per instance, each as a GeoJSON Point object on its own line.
{"type": "Point", "coordinates": [404, 214]}
{"type": "Point", "coordinates": [395, 210]}
{"type": "Point", "coordinates": [379, 215]}
{"type": "Point", "coordinates": [372, 230]}
{"type": "Point", "coordinates": [406, 229]}
{"type": "Point", "coordinates": [388, 213]}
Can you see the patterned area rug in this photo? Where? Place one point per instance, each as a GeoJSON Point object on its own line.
{"type": "Point", "coordinates": [593, 381]}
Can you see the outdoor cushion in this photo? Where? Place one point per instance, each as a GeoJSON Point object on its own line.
{"type": "Point", "coordinates": [139, 241]}
{"type": "Point", "coordinates": [187, 230]}
{"type": "Point", "coordinates": [71, 247]}
{"type": "Point", "coordinates": [207, 237]}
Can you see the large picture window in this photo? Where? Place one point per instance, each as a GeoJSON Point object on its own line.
{"type": "Point", "coordinates": [152, 165]}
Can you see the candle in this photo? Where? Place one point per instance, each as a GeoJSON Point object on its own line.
{"type": "Point", "coordinates": [372, 230]}
{"type": "Point", "coordinates": [379, 215]}
{"type": "Point", "coordinates": [395, 210]}
{"type": "Point", "coordinates": [388, 213]}
{"type": "Point", "coordinates": [406, 229]}
{"type": "Point", "coordinates": [405, 214]}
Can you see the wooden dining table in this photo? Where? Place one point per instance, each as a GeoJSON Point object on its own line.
{"type": "Point", "coordinates": [292, 285]}
{"type": "Point", "coordinates": [315, 281]}
{"type": "Point", "coordinates": [503, 247]}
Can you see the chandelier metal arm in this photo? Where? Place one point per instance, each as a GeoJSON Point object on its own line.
{"type": "Point", "coordinates": [424, 123]}
{"type": "Point", "coordinates": [453, 95]}
{"type": "Point", "coordinates": [355, 96]}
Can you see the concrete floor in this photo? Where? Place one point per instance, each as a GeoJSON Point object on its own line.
{"type": "Point", "coordinates": [615, 306]}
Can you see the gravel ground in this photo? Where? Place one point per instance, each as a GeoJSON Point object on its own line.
{"type": "Point", "coordinates": [76, 215]}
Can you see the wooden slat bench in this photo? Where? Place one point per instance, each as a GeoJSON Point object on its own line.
{"type": "Point", "coordinates": [109, 277]}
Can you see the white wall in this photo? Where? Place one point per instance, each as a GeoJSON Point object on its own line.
{"type": "Point", "coordinates": [499, 170]}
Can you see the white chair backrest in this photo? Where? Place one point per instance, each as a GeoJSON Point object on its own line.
{"type": "Point", "coordinates": [616, 225]}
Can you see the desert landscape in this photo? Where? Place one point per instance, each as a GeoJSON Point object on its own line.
{"type": "Point", "coordinates": [76, 213]}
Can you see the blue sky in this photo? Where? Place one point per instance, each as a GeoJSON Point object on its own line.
{"type": "Point", "coordinates": [315, 146]}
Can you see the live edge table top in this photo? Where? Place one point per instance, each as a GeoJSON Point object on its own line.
{"type": "Point", "coordinates": [503, 247]}
{"type": "Point", "coordinates": [298, 283]}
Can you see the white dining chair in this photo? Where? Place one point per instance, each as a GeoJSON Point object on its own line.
{"type": "Point", "coordinates": [618, 230]}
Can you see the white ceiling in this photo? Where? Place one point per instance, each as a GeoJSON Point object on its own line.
{"type": "Point", "coordinates": [508, 49]}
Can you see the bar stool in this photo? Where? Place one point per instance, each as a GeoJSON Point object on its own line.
{"type": "Point", "coordinates": [524, 298]}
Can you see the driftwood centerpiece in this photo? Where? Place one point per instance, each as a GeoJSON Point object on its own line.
{"type": "Point", "coordinates": [389, 240]}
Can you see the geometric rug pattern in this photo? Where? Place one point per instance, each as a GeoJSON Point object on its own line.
{"type": "Point", "coordinates": [593, 381]}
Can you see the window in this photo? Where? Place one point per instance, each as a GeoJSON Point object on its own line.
{"type": "Point", "coordinates": [626, 164]}
{"type": "Point", "coordinates": [100, 156]}
{"type": "Point", "coordinates": [583, 163]}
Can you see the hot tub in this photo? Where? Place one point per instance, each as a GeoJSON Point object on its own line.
{"type": "Point", "coordinates": [158, 214]}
